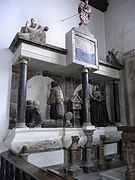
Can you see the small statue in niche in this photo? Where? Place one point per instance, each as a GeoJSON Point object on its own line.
{"type": "Point", "coordinates": [56, 102]}
{"type": "Point", "coordinates": [33, 114]}
{"type": "Point", "coordinates": [112, 58]}
{"type": "Point", "coordinates": [29, 113]}
{"type": "Point", "coordinates": [36, 114]}
{"type": "Point", "coordinates": [68, 118]}
{"type": "Point", "coordinates": [34, 32]}
{"type": "Point", "coordinates": [98, 109]}
{"type": "Point", "coordinates": [84, 11]}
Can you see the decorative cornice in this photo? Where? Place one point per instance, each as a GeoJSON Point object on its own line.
{"type": "Point", "coordinates": [129, 54]}
{"type": "Point", "coordinates": [18, 40]}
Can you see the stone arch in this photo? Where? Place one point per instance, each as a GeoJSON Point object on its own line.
{"type": "Point", "coordinates": [79, 87]}
{"type": "Point", "coordinates": [38, 89]}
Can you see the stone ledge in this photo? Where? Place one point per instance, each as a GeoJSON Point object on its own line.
{"type": "Point", "coordinates": [42, 139]}
{"type": "Point", "coordinates": [114, 174]}
{"type": "Point", "coordinates": [18, 40]}
{"type": "Point", "coordinates": [47, 139]}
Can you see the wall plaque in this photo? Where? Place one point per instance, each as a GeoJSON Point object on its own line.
{"type": "Point", "coordinates": [82, 49]}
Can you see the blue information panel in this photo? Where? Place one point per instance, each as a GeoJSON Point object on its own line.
{"type": "Point", "coordinates": [85, 50]}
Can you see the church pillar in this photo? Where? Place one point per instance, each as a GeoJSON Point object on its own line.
{"type": "Point", "coordinates": [21, 105]}
{"type": "Point", "coordinates": [88, 128]}
{"type": "Point", "coordinates": [116, 102]}
{"type": "Point", "coordinates": [85, 97]}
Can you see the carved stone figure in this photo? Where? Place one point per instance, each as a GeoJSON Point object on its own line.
{"type": "Point", "coordinates": [84, 11]}
{"type": "Point", "coordinates": [33, 114]}
{"type": "Point", "coordinates": [34, 32]}
{"type": "Point", "coordinates": [55, 101]}
{"type": "Point", "coordinates": [68, 117]}
{"type": "Point", "coordinates": [29, 112]}
{"type": "Point", "coordinates": [98, 109]}
{"type": "Point", "coordinates": [36, 114]}
{"type": "Point", "coordinates": [75, 158]}
{"type": "Point", "coordinates": [112, 58]}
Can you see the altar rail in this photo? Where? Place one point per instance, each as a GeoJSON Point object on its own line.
{"type": "Point", "coordinates": [15, 168]}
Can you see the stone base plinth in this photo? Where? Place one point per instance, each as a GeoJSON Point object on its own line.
{"type": "Point", "coordinates": [102, 165]}
{"type": "Point", "coordinates": [42, 139]}
{"type": "Point", "coordinates": [75, 172]}
{"type": "Point", "coordinates": [89, 169]}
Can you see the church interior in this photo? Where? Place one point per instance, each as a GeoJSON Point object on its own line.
{"type": "Point", "coordinates": [67, 90]}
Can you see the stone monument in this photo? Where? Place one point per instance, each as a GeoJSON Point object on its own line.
{"type": "Point", "coordinates": [83, 53]}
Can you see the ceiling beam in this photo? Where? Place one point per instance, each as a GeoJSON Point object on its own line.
{"type": "Point", "coordinates": [99, 4]}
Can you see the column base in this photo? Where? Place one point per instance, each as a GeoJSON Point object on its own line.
{"type": "Point", "coordinates": [102, 165]}
{"type": "Point", "coordinates": [88, 126]}
{"type": "Point", "coordinates": [21, 125]}
{"type": "Point", "coordinates": [118, 124]}
{"type": "Point", "coordinates": [75, 171]}
{"type": "Point", "coordinates": [88, 168]}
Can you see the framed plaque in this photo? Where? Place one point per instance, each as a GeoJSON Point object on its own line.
{"type": "Point", "coordinates": [84, 50]}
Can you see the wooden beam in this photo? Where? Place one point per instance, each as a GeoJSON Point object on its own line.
{"type": "Point", "coordinates": [99, 4]}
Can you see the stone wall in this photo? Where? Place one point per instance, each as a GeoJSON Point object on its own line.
{"type": "Point", "coordinates": [130, 85]}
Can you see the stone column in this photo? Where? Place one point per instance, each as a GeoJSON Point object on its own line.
{"type": "Point", "coordinates": [116, 102]}
{"type": "Point", "coordinates": [75, 158]}
{"type": "Point", "coordinates": [90, 159]}
{"type": "Point", "coordinates": [130, 162]}
{"type": "Point", "coordinates": [85, 97]}
{"type": "Point", "coordinates": [21, 105]}
{"type": "Point", "coordinates": [101, 159]}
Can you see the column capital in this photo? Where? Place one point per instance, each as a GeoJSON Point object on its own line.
{"type": "Point", "coordinates": [116, 81]}
{"type": "Point", "coordinates": [23, 60]}
{"type": "Point", "coordinates": [85, 70]}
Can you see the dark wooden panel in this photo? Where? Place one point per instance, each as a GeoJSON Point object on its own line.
{"type": "Point", "coordinates": [99, 4]}
{"type": "Point", "coordinates": [3, 167]}
{"type": "Point", "coordinates": [25, 169]}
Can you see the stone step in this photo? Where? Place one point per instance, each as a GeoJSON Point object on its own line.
{"type": "Point", "coordinates": [114, 174]}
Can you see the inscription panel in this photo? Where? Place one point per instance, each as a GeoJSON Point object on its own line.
{"type": "Point", "coordinates": [85, 50]}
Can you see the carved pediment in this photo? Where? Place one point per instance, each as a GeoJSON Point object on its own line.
{"type": "Point", "coordinates": [76, 99]}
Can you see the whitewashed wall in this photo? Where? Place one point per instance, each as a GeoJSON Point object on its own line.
{"type": "Point", "coordinates": [14, 14]}
{"type": "Point", "coordinates": [119, 34]}
{"type": "Point", "coordinates": [5, 82]}
{"type": "Point", "coordinates": [97, 27]}
{"type": "Point", "coordinates": [50, 13]}
{"type": "Point", "coordinates": [120, 25]}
